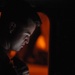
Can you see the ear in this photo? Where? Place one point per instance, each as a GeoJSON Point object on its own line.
{"type": "Point", "coordinates": [12, 27]}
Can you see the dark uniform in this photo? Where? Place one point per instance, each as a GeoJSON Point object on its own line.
{"type": "Point", "coordinates": [18, 67]}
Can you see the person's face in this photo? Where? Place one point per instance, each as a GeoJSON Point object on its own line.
{"type": "Point", "coordinates": [23, 37]}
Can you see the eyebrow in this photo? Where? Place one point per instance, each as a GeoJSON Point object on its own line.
{"type": "Point", "coordinates": [27, 33]}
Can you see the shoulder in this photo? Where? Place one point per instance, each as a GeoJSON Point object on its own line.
{"type": "Point", "coordinates": [20, 66]}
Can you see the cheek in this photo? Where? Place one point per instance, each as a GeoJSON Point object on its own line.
{"type": "Point", "coordinates": [18, 40]}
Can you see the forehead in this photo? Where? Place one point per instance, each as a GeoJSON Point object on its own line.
{"type": "Point", "coordinates": [29, 28]}
{"type": "Point", "coordinates": [27, 23]}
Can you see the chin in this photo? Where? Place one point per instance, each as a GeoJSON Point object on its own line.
{"type": "Point", "coordinates": [18, 49]}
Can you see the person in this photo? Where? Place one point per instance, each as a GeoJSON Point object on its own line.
{"type": "Point", "coordinates": [18, 22]}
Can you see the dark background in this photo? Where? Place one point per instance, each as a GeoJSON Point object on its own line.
{"type": "Point", "coordinates": [62, 50]}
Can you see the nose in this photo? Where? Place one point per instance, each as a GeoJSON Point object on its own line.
{"type": "Point", "coordinates": [26, 41]}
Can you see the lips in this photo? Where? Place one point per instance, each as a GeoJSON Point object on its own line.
{"type": "Point", "coordinates": [23, 44]}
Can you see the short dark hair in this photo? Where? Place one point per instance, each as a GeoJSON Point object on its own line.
{"type": "Point", "coordinates": [17, 11]}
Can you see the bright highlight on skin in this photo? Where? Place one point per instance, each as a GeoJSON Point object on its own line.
{"type": "Point", "coordinates": [24, 36]}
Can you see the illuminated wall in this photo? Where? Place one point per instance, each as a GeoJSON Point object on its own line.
{"type": "Point", "coordinates": [43, 40]}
